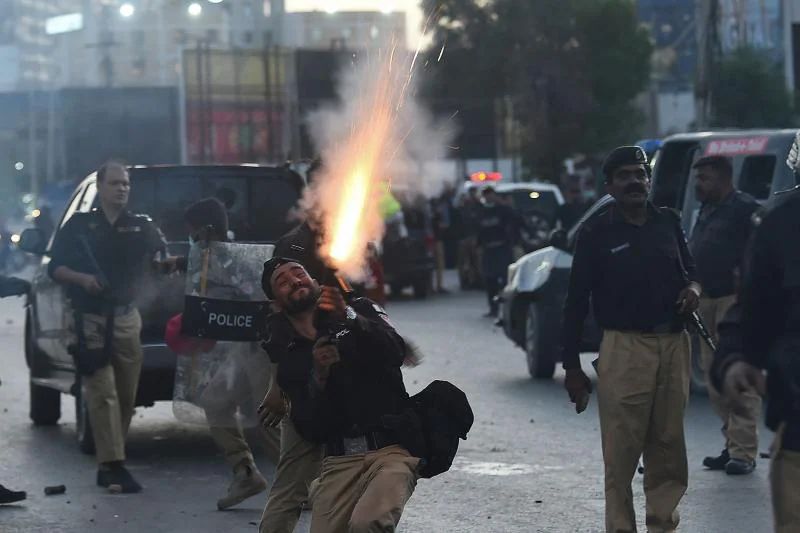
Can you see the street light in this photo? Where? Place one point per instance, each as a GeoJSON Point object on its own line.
{"type": "Point", "coordinates": [19, 165]}
{"type": "Point", "coordinates": [214, 1]}
{"type": "Point", "coordinates": [195, 9]}
{"type": "Point", "coordinates": [126, 9]}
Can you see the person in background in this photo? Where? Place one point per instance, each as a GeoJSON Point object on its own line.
{"type": "Point", "coordinates": [718, 244]}
{"type": "Point", "coordinates": [497, 235]}
{"type": "Point", "coordinates": [12, 287]}
{"type": "Point", "coordinates": [573, 208]}
{"type": "Point", "coordinates": [440, 226]}
{"type": "Point", "coordinates": [468, 262]}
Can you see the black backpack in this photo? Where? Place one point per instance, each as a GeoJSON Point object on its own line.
{"type": "Point", "coordinates": [445, 416]}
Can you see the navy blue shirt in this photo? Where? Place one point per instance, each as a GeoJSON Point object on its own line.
{"type": "Point", "coordinates": [718, 242]}
{"type": "Point", "coordinates": [124, 252]}
{"type": "Point", "coordinates": [631, 274]}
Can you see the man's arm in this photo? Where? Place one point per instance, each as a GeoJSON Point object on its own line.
{"type": "Point", "coordinates": [577, 303]}
{"type": "Point", "coordinates": [761, 292]}
{"type": "Point", "coordinates": [64, 256]}
{"type": "Point", "coordinates": [686, 258]}
{"type": "Point", "coordinates": [372, 338]}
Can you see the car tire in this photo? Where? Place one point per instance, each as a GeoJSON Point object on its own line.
{"type": "Point", "coordinates": [83, 426]}
{"type": "Point", "coordinates": [45, 405]}
{"type": "Point", "coordinates": [422, 288]}
{"type": "Point", "coordinates": [699, 384]}
{"type": "Point", "coordinates": [539, 346]}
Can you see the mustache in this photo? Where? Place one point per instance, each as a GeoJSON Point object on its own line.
{"type": "Point", "coordinates": [634, 187]}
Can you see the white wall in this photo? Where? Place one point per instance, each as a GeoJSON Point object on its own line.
{"type": "Point", "coordinates": [9, 68]}
{"type": "Point", "coordinates": [676, 112]}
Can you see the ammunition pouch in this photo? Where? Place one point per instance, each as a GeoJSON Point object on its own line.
{"type": "Point", "coordinates": [90, 360]}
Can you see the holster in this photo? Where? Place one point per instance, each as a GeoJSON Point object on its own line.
{"type": "Point", "coordinates": [89, 360]}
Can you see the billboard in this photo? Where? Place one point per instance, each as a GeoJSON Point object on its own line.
{"type": "Point", "coordinates": [753, 23]}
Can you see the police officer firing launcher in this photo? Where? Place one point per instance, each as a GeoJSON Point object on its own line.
{"type": "Point", "coordinates": [632, 261]}
{"type": "Point", "coordinates": [100, 256]}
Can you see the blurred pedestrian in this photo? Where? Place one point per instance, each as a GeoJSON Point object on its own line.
{"type": "Point", "coordinates": [468, 210]}
{"type": "Point", "coordinates": [718, 243]}
{"type": "Point", "coordinates": [497, 235]}
{"type": "Point", "coordinates": [633, 264]}
{"type": "Point", "coordinates": [573, 209]}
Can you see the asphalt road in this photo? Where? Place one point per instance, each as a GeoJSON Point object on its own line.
{"type": "Point", "coordinates": [530, 463]}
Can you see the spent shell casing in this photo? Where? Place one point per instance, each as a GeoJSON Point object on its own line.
{"type": "Point", "coordinates": [59, 489]}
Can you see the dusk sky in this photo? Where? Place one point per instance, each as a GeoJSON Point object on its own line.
{"type": "Point", "coordinates": [411, 7]}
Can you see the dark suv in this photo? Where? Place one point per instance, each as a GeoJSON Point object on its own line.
{"type": "Point", "coordinates": [258, 200]}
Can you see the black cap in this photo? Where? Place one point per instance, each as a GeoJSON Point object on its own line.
{"type": "Point", "coordinates": [270, 267]}
{"type": "Point", "coordinates": [719, 163]}
{"type": "Point", "coordinates": [623, 156]}
{"type": "Point", "coordinates": [208, 212]}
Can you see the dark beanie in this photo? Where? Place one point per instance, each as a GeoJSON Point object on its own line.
{"type": "Point", "coordinates": [208, 212]}
{"type": "Point", "coordinates": [270, 267]}
{"type": "Point", "coordinates": [623, 156]}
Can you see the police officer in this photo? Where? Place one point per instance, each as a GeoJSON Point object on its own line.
{"type": "Point", "coordinates": [341, 383]}
{"type": "Point", "coordinates": [762, 332]}
{"type": "Point", "coordinates": [108, 326]}
{"type": "Point", "coordinates": [632, 261]}
{"type": "Point", "coordinates": [718, 243]}
{"type": "Point", "coordinates": [497, 234]}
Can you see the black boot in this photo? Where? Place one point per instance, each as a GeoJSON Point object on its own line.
{"type": "Point", "coordinates": [717, 463]}
{"type": "Point", "coordinates": [116, 478]}
{"type": "Point", "coordinates": [10, 496]}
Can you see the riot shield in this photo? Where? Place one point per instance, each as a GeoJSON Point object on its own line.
{"type": "Point", "coordinates": [224, 377]}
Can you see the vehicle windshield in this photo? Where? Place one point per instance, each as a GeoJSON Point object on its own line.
{"type": "Point", "coordinates": [259, 204]}
{"type": "Point", "coordinates": [528, 201]}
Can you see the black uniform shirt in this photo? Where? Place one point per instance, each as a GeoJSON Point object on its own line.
{"type": "Point", "coordinates": [364, 386]}
{"type": "Point", "coordinates": [123, 252]}
{"type": "Point", "coordinates": [496, 226]}
{"type": "Point", "coordinates": [633, 275]}
{"type": "Point", "coordinates": [718, 242]}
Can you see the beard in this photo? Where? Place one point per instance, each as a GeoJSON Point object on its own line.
{"type": "Point", "coordinates": [300, 305]}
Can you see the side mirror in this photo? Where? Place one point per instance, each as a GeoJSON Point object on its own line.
{"type": "Point", "coordinates": [558, 239]}
{"type": "Point", "coordinates": [33, 241]}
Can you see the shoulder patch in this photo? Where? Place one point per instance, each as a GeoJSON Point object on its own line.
{"type": "Point", "coordinates": [143, 216]}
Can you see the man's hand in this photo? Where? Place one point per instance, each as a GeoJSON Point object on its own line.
{"type": "Point", "coordinates": [579, 387]}
{"type": "Point", "coordinates": [331, 301]}
{"type": "Point", "coordinates": [739, 378]}
{"type": "Point", "coordinates": [272, 408]}
{"type": "Point", "coordinates": [325, 356]}
{"type": "Point", "coordinates": [689, 299]}
{"type": "Point", "coordinates": [90, 284]}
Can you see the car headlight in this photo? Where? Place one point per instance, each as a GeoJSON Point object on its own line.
{"type": "Point", "coordinates": [15, 238]}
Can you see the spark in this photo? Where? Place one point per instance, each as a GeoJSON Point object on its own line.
{"type": "Point", "coordinates": [441, 53]}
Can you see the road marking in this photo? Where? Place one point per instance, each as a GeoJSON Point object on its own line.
{"type": "Point", "coordinates": [484, 468]}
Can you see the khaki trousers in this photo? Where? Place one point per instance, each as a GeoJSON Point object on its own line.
{"type": "Point", "coordinates": [111, 391]}
{"type": "Point", "coordinates": [643, 389]}
{"type": "Point", "coordinates": [221, 404]}
{"type": "Point", "coordinates": [298, 466]}
{"type": "Point", "coordinates": [740, 431]}
{"type": "Point", "coordinates": [363, 493]}
{"type": "Point", "coordinates": [784, 477]}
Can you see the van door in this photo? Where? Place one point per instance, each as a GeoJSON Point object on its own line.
{"type": "Point", "coordinates": [672, 172]}
{"type": "Point", "coordinates": [51, 309]}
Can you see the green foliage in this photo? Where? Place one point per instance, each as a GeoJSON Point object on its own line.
{"type": "Point", "coordinates": [571, 67]}
{"type": "Point", "coordinates": [749, 91]}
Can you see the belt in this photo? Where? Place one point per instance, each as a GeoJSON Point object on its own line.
{"type": "Point", "coordinates": [119, 310]}
{"type": "Point", "coordinates": [368, 442]}
{"type": "Point", "coordinates": [660, 329]}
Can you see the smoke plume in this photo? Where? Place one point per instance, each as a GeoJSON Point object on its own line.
{"type": "Point", "coordinates": [375, 139]}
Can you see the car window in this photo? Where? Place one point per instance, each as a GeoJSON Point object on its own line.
{"type": "Point", "coordinates": [527, 201]}
{"type": "Point", "coordinates": [73, 206]}
{"type": "Point", "coordinates": [756, 175]}
{"type": "Point", "coordinates": [258, 204]}
{"type": "Point", "coordinates": [671, 173]}
{"type": "Point", "coordinates": [88, 201]}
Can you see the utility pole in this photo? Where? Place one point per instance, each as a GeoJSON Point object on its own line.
{"type": "Point", "coordinates": [706, 22]}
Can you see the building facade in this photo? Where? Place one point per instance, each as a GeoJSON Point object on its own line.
{"type": "Point", "coordinates": [353, 30]}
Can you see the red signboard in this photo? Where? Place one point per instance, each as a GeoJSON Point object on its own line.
{"type": "Point", "coordinates": [486, 176]}
{"type": "Point", "coordinates": [234, 136]}
{"type": "Point", "coordinates": [752, 145]}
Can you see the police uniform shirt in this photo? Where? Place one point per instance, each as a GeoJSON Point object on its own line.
{"type": "Point", "coordinates": [718, 242]}
{"type": "Point", "coordinates": [495, 226]}
{"type": "Point", "coordinates": [123, 251]}
{"type": "Point", "coordinates": [633, 275]}
{"type": "Point", "coordinates": [364, 386]}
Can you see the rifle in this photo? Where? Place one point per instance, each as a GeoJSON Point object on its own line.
{"type": "Point", "coordinates": [98, 271]}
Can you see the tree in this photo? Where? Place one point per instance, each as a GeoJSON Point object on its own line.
{"type": "Point", "coordinates": [749, 91]}
{"type": "Point", "coordinates": [571, 67]}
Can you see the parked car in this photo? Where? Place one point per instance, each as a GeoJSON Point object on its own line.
{"type": "Point", "coordinates": [533, 300]}
{"type": "Point", "coordinates": [535, 203]}
{"type": "Point", "coordinates": [258, 199]}
{"type": "Point", "coordinates": [409, 260]}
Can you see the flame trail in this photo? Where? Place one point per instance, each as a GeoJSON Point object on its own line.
{"type": "Point", "coordinates": [359, 141]}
